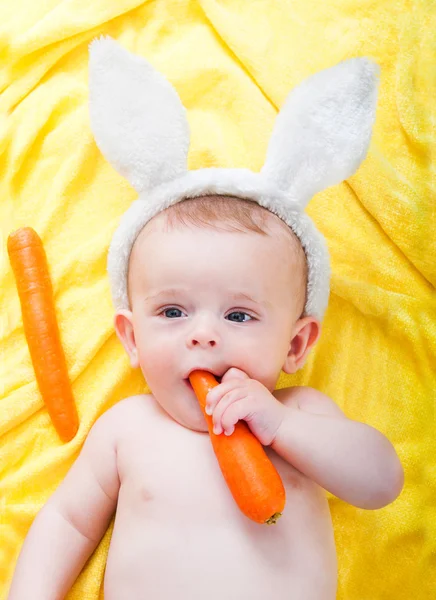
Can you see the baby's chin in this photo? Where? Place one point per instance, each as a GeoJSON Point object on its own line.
{"type": "Point", "coordinates": [186, 411]}
{"type": "Point", "coordinates": [199, 427]}
{"type": "Point", "coordinates": [191, 416]}
{"type": "Point", "coordinates": [193, 422]}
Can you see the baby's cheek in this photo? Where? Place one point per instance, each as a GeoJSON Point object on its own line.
{"type": "Point", "coordinates": [155, 360]}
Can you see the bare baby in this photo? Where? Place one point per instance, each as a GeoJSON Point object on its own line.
{"type": "Point", "coordinates": [217, 284]}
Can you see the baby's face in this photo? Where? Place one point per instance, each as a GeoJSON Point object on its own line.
{"type": "Point", "coordinates": [202, 298]}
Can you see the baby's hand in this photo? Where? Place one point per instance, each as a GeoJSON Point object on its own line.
{"type": "Point", "coordinates": [239, 397]}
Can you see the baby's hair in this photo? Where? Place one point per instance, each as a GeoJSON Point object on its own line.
{"type": "Point", "coordinates": [237, 214]}
{"type": "Point", "coordinates": [240, 214]}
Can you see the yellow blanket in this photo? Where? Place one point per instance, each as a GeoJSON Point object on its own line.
{"type": "Point", "coordinates": [232, 62]}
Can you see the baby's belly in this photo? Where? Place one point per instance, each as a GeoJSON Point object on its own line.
{"type": "Point", "coordinates": [158, 554]}
{"type": "Point", "coordinates": [215, 562]}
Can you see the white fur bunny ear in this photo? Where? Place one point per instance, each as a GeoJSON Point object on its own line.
{"type": "Point", "coordinates": [322, 132]}
{"type": "Point", "coordinates": [137, 118]}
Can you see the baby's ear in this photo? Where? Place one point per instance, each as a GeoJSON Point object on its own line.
{"type": "Point", "coordinates": [322, 133]}
{"type": "Point", "coordinates": [137, 118]}
{"type": "Point", "coordinates": [123, 322]}
{"type": "Point", "coordinates": [306, 334]}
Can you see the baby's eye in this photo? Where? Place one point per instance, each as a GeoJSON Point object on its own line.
{"type": "Point", "coordinates": [240, 317]}
{"type": "Point", "coordinates": [173, 312]}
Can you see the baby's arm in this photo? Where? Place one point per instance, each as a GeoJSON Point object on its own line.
{"type": "Point", "coordinates": [353, 461]}
{"type": "Point", "coordinates": [70, 525]}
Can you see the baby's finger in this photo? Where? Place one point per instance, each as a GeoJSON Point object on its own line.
{"type": "Point", "coordinates": [216, 393]}
{"type": "Point", "coordinates": [237, 411]}
{"type": "Point", "coordinates": [222, 406]}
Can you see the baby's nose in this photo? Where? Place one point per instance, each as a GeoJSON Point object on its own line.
{"type": "Point", "coordinates": [204, 336]}
{"type": "Point", "coordinates": [204, 332]}
{"type": "Point", "coordinates": [202, 340]}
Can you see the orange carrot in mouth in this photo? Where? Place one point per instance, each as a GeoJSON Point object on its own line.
{"type": "Point", "coordinates": [29, 264]}
{"type": "Point", "coordinates": [251, 477]}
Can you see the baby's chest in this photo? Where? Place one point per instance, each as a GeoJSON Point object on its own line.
{"type": "Point", "coordinates": [177, 471]}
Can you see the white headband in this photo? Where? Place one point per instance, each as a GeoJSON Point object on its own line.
{"type": "Point", "coordinates": [320, 137]}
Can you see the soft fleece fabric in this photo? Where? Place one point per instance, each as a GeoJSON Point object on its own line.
{"type": "Point", "coordinates": [233, 64]}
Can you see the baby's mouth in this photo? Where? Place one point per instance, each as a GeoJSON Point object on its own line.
{"type": "Point", "coordinates": [188, 383]}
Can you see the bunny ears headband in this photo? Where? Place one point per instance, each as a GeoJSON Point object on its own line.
{"type": "Point", "coordinates": [320, 137]}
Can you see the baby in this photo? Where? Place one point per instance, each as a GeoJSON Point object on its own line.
{"type": "Point", "coordinates": [217, 282]}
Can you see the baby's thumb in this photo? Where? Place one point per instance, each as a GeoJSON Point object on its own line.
{"type": "Point", "coordinates": [234, 373]}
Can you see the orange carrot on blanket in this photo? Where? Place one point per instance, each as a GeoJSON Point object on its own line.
{"type": "Point", "coordinates": [29, 264]}
{"type": "Point", "coordinates": [251, 477]}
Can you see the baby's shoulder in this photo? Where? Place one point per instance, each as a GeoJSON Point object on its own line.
{"type": "Point", "coordinates": [127, 409]}
{"type": "Point", "coordinates": [308, 399]}
{"type": "Point", "coordinates": [124, 415]}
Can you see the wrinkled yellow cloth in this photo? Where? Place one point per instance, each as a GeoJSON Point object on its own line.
{"type": "Point", "coordinates": [233, 63]}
